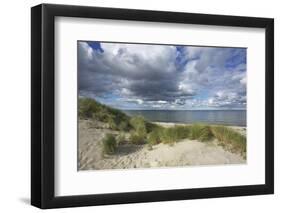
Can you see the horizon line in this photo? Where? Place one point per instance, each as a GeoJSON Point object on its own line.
{"type": "Point", "coordinates": [183, 109]}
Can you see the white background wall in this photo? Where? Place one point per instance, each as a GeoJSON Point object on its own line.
{"type": "Point", "coordinates": [15, 105]}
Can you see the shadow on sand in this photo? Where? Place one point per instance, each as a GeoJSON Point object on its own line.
{"type": "Point", "coordinates": [126, 149]}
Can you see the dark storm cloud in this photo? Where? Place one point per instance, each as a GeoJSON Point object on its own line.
{"type": "Point", "coordinates": [148, 78]}
{"type": "Point", "coordinates": [162, 76]}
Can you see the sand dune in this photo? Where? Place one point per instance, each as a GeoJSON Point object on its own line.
{"type": "Point", "coordinates": [183, 153]}
{"type": "Point", "coordinates": [239, 129]}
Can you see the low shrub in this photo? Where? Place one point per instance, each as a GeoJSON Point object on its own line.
{"type": "Point", "coordinates": [124, 126]}
{"type": "Point", "coordinates": [109, 144]}
{"type": "Point", "coordinates": [136, 138]}
{"type": "Point", "coordinates": [151, 126]}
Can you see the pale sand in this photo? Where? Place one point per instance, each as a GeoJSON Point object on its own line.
{"type": "Point", "coordinates": [183, 153]}
{"type": "Point", "coordinates": [239, 129]}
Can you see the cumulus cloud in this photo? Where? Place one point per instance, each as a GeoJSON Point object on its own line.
{"type": "Point", "coordinates": [162, 76]}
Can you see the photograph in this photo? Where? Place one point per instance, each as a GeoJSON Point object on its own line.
{"type": "Point", "coordinates": [160, 105]}
{"type": "Point", "coordinates": [139, 105]}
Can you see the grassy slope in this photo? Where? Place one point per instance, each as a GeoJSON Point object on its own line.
{"type": "Point", "coordinates": [91, 109]}
{"type": "Point", "coordinates": [142, 131]}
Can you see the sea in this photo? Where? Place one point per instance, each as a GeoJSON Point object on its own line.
{"type": "Point", "coordinates": [221, 117]}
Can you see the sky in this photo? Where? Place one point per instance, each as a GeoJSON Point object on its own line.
{"type": "Point", "coordinates": [167, 77]}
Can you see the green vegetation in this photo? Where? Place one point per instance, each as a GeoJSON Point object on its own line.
{"type": "Point", "coordinates": [138, 123]}
{"type": "Point", "coordinates": [141, 131]}
{"type": "Point", "coordinates": [200, 132]}
{"type": "Point", "coordinates": [87, 107]}
{"type": "Point", "coordinates": [124, 126]}
{"type": "Point", "coordinates": [109, 144]}
{"type": "Point", "coordinates": [91, 109]}
{"type": "Point", "coordinates": [168, 136]}
{"type": "Point", "coordinates": [181, 131]}
{"type": "Point", "coordinates": [230, 138]}
{"type": "Point", "coordinates": [154, 137]}
{"type": "Point", "coordinates": [121, 138]}
{"type": "Point", "coordinates": [135, 138]}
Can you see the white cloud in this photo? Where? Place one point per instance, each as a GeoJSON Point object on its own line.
{"type": "Point", "coordinates": [154, 76]}
{"type": "Point", "coordinates": [140, 101]}
{"type": "Point", "coordinates": [162, 102]}
{"type": "Point", "coordinates": [243, 81]}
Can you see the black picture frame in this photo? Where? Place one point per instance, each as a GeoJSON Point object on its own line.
{"type": "Point", "coordinates": [43, 102]}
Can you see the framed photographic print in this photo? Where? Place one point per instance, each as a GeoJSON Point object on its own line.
{"type": "Point", "coordinates": [139, 106]}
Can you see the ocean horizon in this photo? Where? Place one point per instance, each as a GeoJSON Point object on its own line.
{"type": "Point", "coordinates": [222, 117]}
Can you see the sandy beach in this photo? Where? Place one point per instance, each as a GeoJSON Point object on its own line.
{"type": "Point", "coordinates": [183, 153]}
{"type": "Point", "coordinates": [239, 129]}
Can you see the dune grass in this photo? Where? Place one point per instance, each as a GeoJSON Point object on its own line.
{"type": "Point", "coordinates": [121, 138]}
{"type": "Point", "coordinates": [228, 137]}
{"type": "Point", "coordinates": [141, 131]}
{"type": "Point", "coordinates": [109, 144]}
{"type": "Point", "coordinates": [201, 132]}
{"type": "Point", "coordinates": [138, 124]}
{"type": "Point", "coordinates": [136, 138]}
{"type": "Point", "coordinates": [173, 134]}
{"type": "Point", "coordinates": [155, 135]}
{"type": "Point", "coordinates": [116, 119]}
